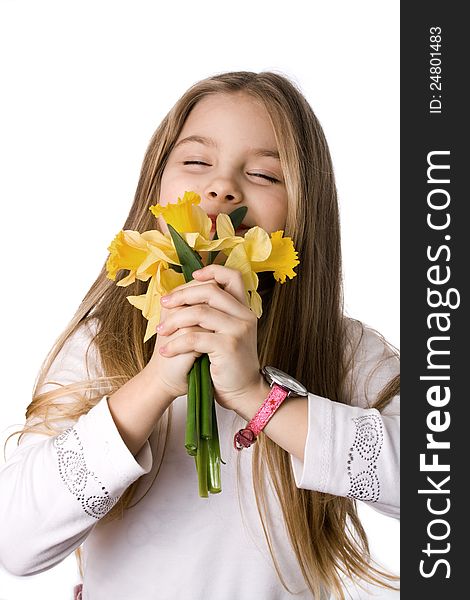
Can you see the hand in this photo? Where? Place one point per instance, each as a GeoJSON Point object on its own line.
{"type": "Point", "coordinates": [228, 331]}
{"type": "Point", "coordinates": [172, 373]}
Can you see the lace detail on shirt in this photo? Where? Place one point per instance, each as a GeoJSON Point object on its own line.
{"type": "Point", "coordinates": [363, 456]}
{"type": "Point", "coordinates": [81, 482]}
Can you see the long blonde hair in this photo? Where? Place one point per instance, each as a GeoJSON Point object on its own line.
{"type": "Point", "coordinates": [325, 531]}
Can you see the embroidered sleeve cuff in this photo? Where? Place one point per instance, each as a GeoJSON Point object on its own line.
{"type": "Point", "coordinates": [95, 463]}
{"type": "Point", "coordinates": [329, 438]}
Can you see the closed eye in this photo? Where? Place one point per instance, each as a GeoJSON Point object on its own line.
{"type": "Point", "coordinates": [262, 175]}
{"type": "Point", "coordinates": [270, 179]}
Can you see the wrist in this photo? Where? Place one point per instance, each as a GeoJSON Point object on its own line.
{"type": "Point", "coordinates": [157, 386]}
{"type": "Point", "coordinates": [270, 397]}
{"type": "Point", "coordinates": [253, 400]}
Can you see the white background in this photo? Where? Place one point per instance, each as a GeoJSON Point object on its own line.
{"type": "Point", "coordinates": [85, 84]}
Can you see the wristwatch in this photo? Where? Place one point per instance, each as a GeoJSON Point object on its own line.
{"type": "Point", "coordinates": [282, 386]}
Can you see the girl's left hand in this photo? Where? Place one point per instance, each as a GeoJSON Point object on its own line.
{"type": "Point", "coordinates": [220, 306]}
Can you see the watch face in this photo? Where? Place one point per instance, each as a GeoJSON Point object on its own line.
{"type": "Point", "coordinates": [288, 382]}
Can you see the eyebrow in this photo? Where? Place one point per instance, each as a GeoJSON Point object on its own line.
{"type": "Point", "coordinates": [206, 141]}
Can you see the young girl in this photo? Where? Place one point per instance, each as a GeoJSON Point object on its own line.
{"type": "Point", "coordinates": [101, 459]}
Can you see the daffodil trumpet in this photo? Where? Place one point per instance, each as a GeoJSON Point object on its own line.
{"type": "Point", "coordinates": [168, 261]}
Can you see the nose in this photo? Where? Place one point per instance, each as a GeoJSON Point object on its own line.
{"type": "Point", "coordinates": [221, 189]}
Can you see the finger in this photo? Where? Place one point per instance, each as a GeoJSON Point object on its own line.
{"type": "Point", "coordinates": [231, 280]}
{"type": "Point", "coordinates": [194, 341]}
{"type": "Point", "coordinates": [206, 317]}
{"type": "Point", "coordinates": [187, 284]}
{"type": "Point", "coordinates": [164, 309]}
{"type": "Point", "coordinates": [212, 295]}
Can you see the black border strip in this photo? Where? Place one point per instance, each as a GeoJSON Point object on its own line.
{"type": "Point", "coordinates": [434, 271]}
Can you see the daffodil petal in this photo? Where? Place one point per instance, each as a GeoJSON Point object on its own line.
{"type": "Point", "coordinates": [161, 246]}
{"type": "Point", "coordinates": [137, 301]}
{"type": "Point", "coordinates": [127, 280]}
{"type": "Point", "coordinates": [256, 303]}
{"type": "Point", "coordinates": [151, 327]}
{"type": "Point", "coordinates": [258, 244]}
{"type": "Point", "coordinates": [134, 238]}
{"type": "Point", "coordinates": [184, 215]}
{"type": "Point", "coordinates": [152, 300]}
{"type": "Point", "coordinates": [169, 280]}
{"type": "Point", "coordinates": [162, 282]}
{"type": "Point", "coordinates": [219, 244]}
{"type": "Point", "coordinates": [202, 223]}
{"type": "Point", "coordinates": [238, 259]}
{"type": "Point", "coordinates": [191, 238]}
{"type": "Point", "coordinates": [282, 259]}
{"type": "Point", "coordinates": [149, 264]}
{"type": "Point", "coordinates": [157, 238]}
{"type": "Point", "coordinates": [251, 279]}
{"type": "Point", "coordinates": [224, 226]}
{"type": "Point", "coordinates": [126, 251]}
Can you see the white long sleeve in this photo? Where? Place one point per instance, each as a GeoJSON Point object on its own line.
{"type": "Point", "coordinates": [354, 450]}
{"type": "Point", "coordinates": [55, 489]}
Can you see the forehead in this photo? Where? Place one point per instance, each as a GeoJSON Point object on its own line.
{"type": "Point", "coordinates": [232, 116]}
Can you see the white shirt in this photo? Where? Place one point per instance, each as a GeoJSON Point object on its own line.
{"type": "Point", "coordinates": [174, 545]}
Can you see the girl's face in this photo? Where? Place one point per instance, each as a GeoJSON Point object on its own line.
{"type": "Point", "coordinates": [227, 153]}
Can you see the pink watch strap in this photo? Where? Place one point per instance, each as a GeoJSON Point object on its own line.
{"type": "Point", "coordinates": [245, 437]}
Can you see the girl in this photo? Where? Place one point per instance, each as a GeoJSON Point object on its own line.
{"type": "Point", "coordinates": [101, 459]}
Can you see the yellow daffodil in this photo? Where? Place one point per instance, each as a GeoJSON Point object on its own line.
{"type": "Point", "coordinates": [185, 215]}
{"type": "Point", "coordinates": [150, 254]}
{"type": "Point", "coordinates": [160, 284]}
{"type": "Point", "coordinates": [126, 251]}
{"type": "Point", "coordinates": [193, 224]}
{"type": "Point", "coordinates": [282, 260]}
{"type": "Point", "coordinates": [259, 252]}
{"type": "Point", "coordinates": [139, 254]}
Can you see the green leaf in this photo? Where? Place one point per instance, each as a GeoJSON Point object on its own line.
{"type": "Point", "coordinates": [189, 259]}
{"type": "Point", "coordinates": [237, 216]}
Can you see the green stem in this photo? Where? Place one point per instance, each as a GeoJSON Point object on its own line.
{"type": "Point", "coordinates": [201, 465]}
{"type": "Point", "coordinates": [207, 398]}
{"type": "Point", "coordinates": [202, 452]}
{"type": "Point", "coordinates": [214, 484]}
{"type": "Point", "coordinates": [201, 435]}
{"type": "Point", "coordinates": [191, 437]}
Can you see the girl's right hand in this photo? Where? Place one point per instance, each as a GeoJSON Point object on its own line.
{"type": "Point", "coordinates": [172, 372]}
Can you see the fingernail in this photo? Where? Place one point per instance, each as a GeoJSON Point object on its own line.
{"type": "Point", "coordinates": [159, 327]}
{"type": "Point", "coordinates": [165, 299]}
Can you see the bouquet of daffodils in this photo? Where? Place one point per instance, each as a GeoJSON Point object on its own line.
{"type": "Point", "coordinates": [168, 261]}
